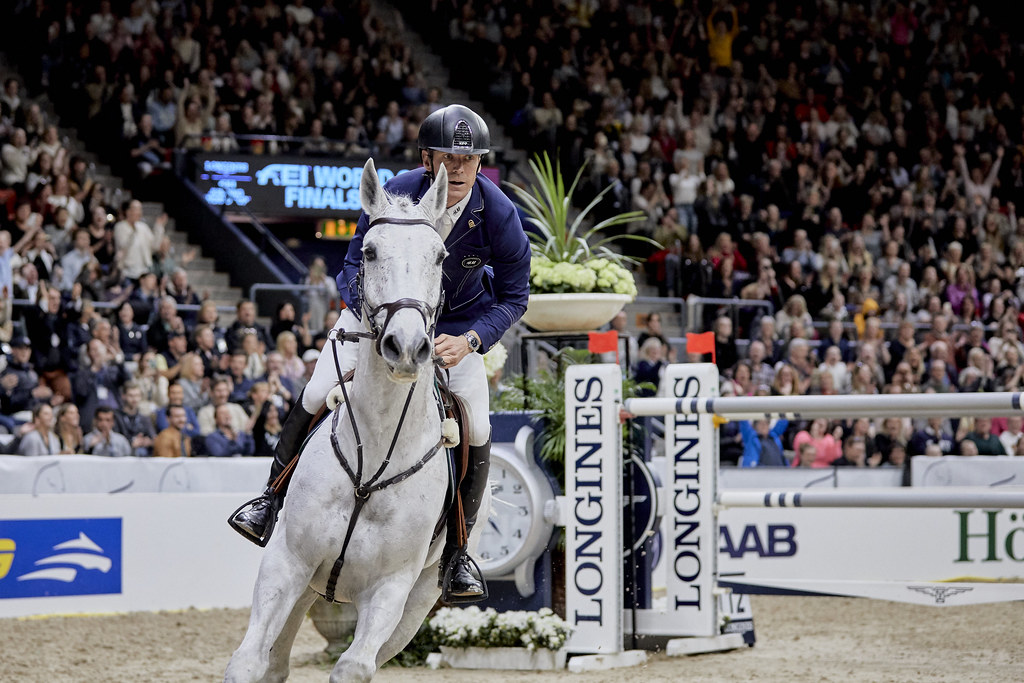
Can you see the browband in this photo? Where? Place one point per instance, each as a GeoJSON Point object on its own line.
{"type": "Point", "coordinates": [402, 221]}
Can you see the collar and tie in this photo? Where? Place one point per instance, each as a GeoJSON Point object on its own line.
{"type": "Point", "coordinates": [451, 216]}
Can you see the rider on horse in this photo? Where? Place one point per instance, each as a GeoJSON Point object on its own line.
{"type": "Point", "coordinates": [486, 288]}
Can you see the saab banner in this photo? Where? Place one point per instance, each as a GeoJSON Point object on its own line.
{"type": "Point", "coordinates": [906, 554]}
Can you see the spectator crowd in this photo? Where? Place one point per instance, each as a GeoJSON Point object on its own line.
{"type": "Point", "coordinates": [852, 168]}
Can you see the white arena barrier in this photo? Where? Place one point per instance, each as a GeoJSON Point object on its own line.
{"type": "Point", "coordinates": [96, 553]}
{"type": "Point", "coordinates": [84, 534]}
{"type": "Point", "coordinates": [99, 474]}
{"type": "Point", "coordinates": [938, 547]}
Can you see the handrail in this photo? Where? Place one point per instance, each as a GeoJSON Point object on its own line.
{"type": "Point", "coordinates": [112, 305]}
{"type": "Point", "coordinates": [693, 302]}
{"type": "Point", "coordinates": [271, 239]}
{"type": "Point", "coordinates": [251, 137]}
{"type": "Point", "coordinates": [271, 287]}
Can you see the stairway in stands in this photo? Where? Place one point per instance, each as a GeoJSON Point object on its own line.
{"type": "Point", "coordinates": [202, 273]}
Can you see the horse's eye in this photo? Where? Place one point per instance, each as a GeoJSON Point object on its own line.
{"type": "Point", "coordinates": [370, 253]}
{"type": "Point", "coordinates": [441, 256]}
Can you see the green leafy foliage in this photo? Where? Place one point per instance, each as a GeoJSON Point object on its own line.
{"type": "Point", "coordinates": [546, 394]}
{"type": "Point", "coordinates": [562, 237]}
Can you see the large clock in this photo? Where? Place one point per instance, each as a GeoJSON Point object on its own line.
{"type": "Point", "coordinates": [521, 521]}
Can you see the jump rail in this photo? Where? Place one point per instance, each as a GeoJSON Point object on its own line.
{"type": "Point", "coordinates": [996, 404]}
{"type": "Point", "coordinates": [942, 497]}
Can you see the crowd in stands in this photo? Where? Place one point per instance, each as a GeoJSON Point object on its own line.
{"type": "Point", "coordinates": [314, 77]}
{"type": "Point", "coordinates": [856, 165]}
{"type": "Point", "coordinates": [110, 350]}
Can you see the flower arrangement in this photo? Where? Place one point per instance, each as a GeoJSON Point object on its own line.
{"type": "Point", "coordinates": [596, 275]}
{"type": "Point", "coordinates": [564, 260]}
{"type": "Point", "coordinates": [494, 359]}
{"type": "Point", "coordinates": [473, 627]}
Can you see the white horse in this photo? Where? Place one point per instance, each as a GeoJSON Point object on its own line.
{"type": "Point", "coordinates": [389, 566]}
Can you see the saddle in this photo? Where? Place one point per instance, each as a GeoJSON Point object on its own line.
{"type": "Point", "coordinates": [452, 513]}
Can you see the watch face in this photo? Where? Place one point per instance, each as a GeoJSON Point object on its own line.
{"type": "Point", "coordinates": [503, 541]}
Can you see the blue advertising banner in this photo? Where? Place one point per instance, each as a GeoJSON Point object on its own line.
{"type": "Point", "coordinates": [57, 557]}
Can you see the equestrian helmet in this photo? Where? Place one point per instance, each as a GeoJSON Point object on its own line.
{"type": "Point", "coordinates": [455, 129]}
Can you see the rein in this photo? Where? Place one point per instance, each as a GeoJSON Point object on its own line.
{"type": "Point", "coordinates": [364, 489]}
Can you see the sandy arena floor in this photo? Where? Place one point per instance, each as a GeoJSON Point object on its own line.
{"type": "Point", "coordinates": [799, 639]}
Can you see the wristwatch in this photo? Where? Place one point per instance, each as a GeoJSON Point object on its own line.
{"type": "Point", "coordinates": [474, 343]}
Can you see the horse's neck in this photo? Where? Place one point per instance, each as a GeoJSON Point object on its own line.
{"type": "Point", "coordinates": [379, 407]}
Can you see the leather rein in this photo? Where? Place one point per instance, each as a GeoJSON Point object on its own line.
{"type": "Point", "coordinates": [364, 489]}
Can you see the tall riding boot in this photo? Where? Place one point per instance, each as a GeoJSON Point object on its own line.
{"type": "Point", "coordinates": [256, 519]}
{"type": "Point", "coordinates": [459, 581]}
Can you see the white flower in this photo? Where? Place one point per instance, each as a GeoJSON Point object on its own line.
{"type": "Point", "coordinates": [494, 359]}
{"type": "Point", "coordinates": [472, 627]}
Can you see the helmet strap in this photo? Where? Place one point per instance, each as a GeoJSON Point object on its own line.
{"type": "Point", "coordinates": [430, 159]}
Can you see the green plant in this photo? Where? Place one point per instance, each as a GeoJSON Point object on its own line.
{"type": "Point", "coordinates": [546, 394]}
{"type": "Point", "coordinates": [563, 247]}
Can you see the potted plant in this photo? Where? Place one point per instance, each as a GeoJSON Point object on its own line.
{"type": "Point", "coordinates": [577, 281]}
{"type": "Point", "coordinates": [472, 638]}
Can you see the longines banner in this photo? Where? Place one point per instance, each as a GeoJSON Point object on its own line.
{"type": "Point", "coordinates": [293, 186]}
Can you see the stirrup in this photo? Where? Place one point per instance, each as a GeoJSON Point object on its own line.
{"type": "Point", "coordinates": [273, 505]}
{"type": "Point", "coordinates": [449, 573]}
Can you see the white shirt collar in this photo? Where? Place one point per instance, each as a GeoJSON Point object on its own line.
{"type": "Point", "coordinates": [455, 212]}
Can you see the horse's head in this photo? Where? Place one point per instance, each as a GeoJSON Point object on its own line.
{"type": "Point", "coordinates": [401, 273]}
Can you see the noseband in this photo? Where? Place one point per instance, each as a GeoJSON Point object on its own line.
{"type": "Point", "coordinates": [427, 312]}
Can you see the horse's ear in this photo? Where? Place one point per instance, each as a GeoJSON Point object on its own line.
{"type": "Point", "coordinates": [435, 201]}
{"type": "Point", "coordinates": [370, 191]}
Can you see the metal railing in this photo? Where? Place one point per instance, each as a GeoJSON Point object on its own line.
{"type": "Point", "coordinates": [695, 309]}
{"type": "Point", "coordinates": [267, 238]}
{"type": "Point", "coordinates": [114, 305]}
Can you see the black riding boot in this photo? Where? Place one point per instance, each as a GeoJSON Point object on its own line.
{"type": "Point", "coordinates": [256, 519]}
{"type": "Point", "coordinates": [459, 582]}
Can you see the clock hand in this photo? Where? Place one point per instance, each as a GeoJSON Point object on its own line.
{"type": "Point", "coordinates": [494, 526]}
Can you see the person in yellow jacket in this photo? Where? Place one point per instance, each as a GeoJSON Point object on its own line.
{"type": "Point", "coordinates": [721, 35]}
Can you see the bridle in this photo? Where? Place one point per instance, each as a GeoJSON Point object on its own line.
{"type": "Point", "coordinates": [364, 489]}
{"type": "Point", "coordinates": [427, 312]}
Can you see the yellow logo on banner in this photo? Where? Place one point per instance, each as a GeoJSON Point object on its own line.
{"type": "Point", "coordinates": [6, 555]}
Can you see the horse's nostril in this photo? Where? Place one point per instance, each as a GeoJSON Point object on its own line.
{"type": "Point", "coordinates": [390, 348]}
{"type": "Point", "coordinates": [423, 351]}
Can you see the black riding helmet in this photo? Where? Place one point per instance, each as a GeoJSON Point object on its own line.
{"type": "Point", "coordinates": [455, 129]}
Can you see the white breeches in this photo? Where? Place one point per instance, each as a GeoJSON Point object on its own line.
{"type": "Point", "coordinates": [467, 380]}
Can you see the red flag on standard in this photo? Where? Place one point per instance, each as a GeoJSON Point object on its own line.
{"type": "Point", "coordinates": [701, 343]}
{"type": "Point", "coordinates": [603, 342]}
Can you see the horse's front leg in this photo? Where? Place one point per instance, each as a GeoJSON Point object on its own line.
{"type": "Point", "coordinates": [380, 609]}
{"type": "Point", "coordinates": [424, 595]}
{"type": "Point", "coordinates": [282, 581]}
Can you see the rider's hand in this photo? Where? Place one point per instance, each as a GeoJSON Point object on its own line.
{"type": "Point", "coordinates": [451, 350]}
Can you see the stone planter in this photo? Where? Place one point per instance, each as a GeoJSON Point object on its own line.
{"type": "Point", "coordinates": [507, 658]}
{"type": "Point", "coordinates": [581, 312]}
{"type": "Point", "coordinates": [336, 622]}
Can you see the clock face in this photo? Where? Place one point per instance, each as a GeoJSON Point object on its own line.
{"type": "Point", "coordinates": [503, 543]}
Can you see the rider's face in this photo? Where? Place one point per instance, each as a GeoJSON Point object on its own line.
{"type": "Point", "coordinates": [462, 170]}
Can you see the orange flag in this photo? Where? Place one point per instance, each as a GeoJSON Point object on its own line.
{"type": "Point", "coordinates": [701, 343]}
{"type": "Point", "coordinates": [602, 342]}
